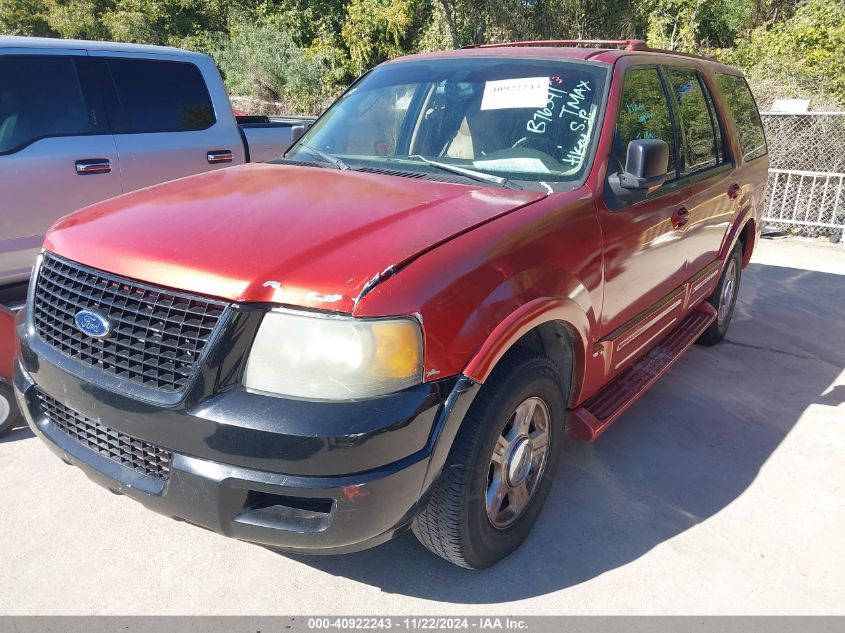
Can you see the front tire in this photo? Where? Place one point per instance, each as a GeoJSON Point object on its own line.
{"type": "Point", "coordinates": [501, 466]}
{"type": "Point", "coordinates": [724, 299]}
{"type": "Point", "coordinates": [9, 414]}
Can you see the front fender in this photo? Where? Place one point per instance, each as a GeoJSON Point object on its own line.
{"type": "Point", "coordinates": [478, 293]}
{"type": "Point", "coordinates": [524, 319]}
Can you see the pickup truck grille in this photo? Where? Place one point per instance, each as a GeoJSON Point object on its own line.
{"type": "Point", "coordinates": [142, 457]}
{"type": "Point", "coordinates": [158, 336]}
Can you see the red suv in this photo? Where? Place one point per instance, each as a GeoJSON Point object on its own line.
{"type": "Point", "coordinates": [396, 324]}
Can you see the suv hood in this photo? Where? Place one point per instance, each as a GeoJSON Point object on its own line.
{"type": "Point", "coordinates": [293, 235]}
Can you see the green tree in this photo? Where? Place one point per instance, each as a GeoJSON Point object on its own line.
{"type": "Point", "coordinates": [804, 51]}
{"type": "Point", "coordinates": [168, 22]}
{"type": "Point", "coordinates": [262, 60]}
{"type": "Point", "coordinates": [24, 17]}
{"type": "Point", "coordinates": [375, 30]}
{"type": "Point", "coordinates": [78, 19]}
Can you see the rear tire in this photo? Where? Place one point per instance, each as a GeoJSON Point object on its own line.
{"type": "Point", "coordinates": [724, 299]}
{"type": "Point", "coordinates": [9, 414]}
{"type": "Point", "coordinates": [501, 466]}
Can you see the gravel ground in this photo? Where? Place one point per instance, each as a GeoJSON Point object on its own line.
{"type": "Point", "coordinates": [720, 492]}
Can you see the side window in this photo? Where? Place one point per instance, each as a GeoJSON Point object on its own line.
{"type": "Point", "coordinates": [40, 97]}
{"type": "Point", "coordinates": [721, 157]}
{"type": "Point", "coordinates": [749, 126]}
{"type": "Point", "coordinates": [700, 147]}
{"type": "Point", "coordinates": [643, 113]}
{"type": "Point", "coordinates": [159, 96]}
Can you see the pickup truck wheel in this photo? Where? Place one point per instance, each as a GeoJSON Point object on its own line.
{"type": "Point", "coordinates": [9, 414]}
{"type": "Point", "coordinates": [724, 299]}
{"type": "Point", "coordinates": [501, 466]}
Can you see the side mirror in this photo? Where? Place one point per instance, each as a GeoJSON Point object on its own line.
{"type": "Point", "coordinates": [646, 164]}
{"type": "Point", "coordinates": [645, 170]}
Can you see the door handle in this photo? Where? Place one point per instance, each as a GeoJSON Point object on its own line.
{"type": "Point", "coordinates": [733, 191]}
{"type": "Point", "coordinates": [219, 156]}
{"type": "Point", "coordinates": [680, 217]}
{"type": "Point", "coordinates": [88, 166]}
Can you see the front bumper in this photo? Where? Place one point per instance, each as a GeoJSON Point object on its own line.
{"type": "Point", "coordinates": [267, 470]}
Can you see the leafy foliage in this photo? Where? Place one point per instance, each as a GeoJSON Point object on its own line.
{"type": "Point", "coordinates": [804, 53]}
{"type": "Point", "coordinates": [263, 60]}
{"type": "Point", "coordinates": [302, 52]}
{"type": "Point", "coordinates": [24, 17]}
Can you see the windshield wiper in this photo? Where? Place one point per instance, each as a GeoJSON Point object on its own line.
{"type": "Point", "coordinates": [469, 173]}
{"type": "Point", "coordinates": [332, 160]}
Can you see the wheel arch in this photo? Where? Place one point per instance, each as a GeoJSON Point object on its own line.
{"type": "Point", "coordinates": [555, 327]}
{"type": "Point", "coordinates": [744, 231]}
{"type": "Point", "coordinates": [748, 238]}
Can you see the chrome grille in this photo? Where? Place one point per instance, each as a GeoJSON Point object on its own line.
{"type": "Point", "coordinates": [142, 457]}
{"type": "Point", "coordinates": [158, 336]}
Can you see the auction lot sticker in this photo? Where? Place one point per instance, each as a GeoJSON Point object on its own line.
{"type": "Point", "coordinates": [528, 92]}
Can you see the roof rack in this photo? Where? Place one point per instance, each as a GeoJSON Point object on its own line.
{"type": "Point", "coordinates": [631, 45]}
{"type": "Point", "coordinates": [628, 45]}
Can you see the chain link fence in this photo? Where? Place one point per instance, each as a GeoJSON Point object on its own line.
{"type": "Point", "coordinates": [806, 173]}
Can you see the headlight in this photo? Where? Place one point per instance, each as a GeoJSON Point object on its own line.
{"type": "Point", "coordinates": [334, 358]}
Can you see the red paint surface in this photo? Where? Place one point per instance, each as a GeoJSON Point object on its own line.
{"type": "Point", "coordinates": [7, 343]}
{"type": "Point", "coordinates": [354, 492]}
{"type": "Point", "coordinates": [477, 284]}
{"type": "Point", "coordinates": [302, 236]}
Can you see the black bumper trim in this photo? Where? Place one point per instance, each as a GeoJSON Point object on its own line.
{"type": "Point", "coordinates": [367, 507]}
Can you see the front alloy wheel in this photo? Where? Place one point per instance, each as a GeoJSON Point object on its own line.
{"type": "Point", "coordinates": [518, 462]}
{"type": "Point", "coordinates": [501, 465]}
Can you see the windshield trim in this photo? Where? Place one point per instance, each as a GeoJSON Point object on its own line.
{"type": "Point", "coordinates": [554, 185]}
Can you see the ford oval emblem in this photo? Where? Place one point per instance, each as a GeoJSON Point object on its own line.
{"type": "Point", "coordinates": [93, 323]}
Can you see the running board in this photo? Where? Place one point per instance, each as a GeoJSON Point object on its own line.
{"type": "Point", "coordinates": [593, 417]}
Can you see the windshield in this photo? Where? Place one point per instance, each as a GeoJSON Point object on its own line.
{"type": "Point", "coordinates": [529, 121]}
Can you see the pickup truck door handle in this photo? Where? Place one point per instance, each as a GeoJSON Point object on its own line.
{"type": "Point", "coordinates": [733, 191]}
{"type": "Point", "coordinates": [680, 217]}
{"type": "Point", "coordinates": [219, 156]}
{"type": "Point", "coordinates": [88, 166]}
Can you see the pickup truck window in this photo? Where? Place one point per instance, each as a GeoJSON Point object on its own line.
{"type": "Point", "coordinates": [749, 127]}
{"type": "Point", "coordinates": [525, 120]}
{"type": "Point", "coordinates": [158, 96]}
{"type": "Point", "coordinates": [643, 113]}
{"type": "Point", "coordinates": [696, 121]}
{"type": "Point", "coordinates": [40, 97]}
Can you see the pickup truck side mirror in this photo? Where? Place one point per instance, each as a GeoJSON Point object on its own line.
{"type": "Point", "coordinates": [646, 167]}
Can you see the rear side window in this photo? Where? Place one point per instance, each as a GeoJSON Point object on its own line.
{"type": "Point", "coordinates": [698, 127]}
{"type": "Point", "coordinates": [749, 126]}
{"type": "Point", "coordinates": [158, 96]}
{"type": "Point", "coordinates": [643, 113]}
{"type": "Point", "coordinates": [40, 97]}
{"type": "Point", "coordinates": [717, 127]}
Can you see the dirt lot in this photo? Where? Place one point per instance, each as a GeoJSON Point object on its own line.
{"type": "Point", "coordinates": [721, 491]}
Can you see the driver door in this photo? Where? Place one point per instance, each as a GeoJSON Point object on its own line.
{"type": "Point", "coordinates": [644, 248]}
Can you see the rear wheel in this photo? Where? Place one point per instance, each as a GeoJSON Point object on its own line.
{"type": "Point", "coordinates": [9, 414]}
{"type": "Point", "coordinates": [724, 299]}
{"type": "Point", "coordinates": [500, 468]}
